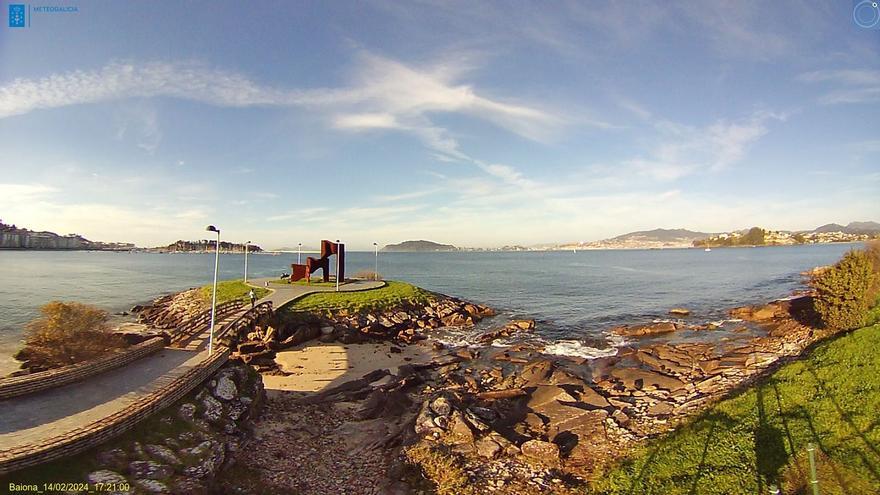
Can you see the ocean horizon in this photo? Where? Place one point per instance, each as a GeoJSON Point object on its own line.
{"type": "Point", "coordinates": [575, 297]}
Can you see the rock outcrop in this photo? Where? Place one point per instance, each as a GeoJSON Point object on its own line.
{"type": "Point", "coordinates": [184, 449]}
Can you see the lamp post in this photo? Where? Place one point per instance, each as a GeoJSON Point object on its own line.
{"type": "Point", "coordinates": [298, 252]}
{"type": "Point", "coordinates": [337, 265]}
{"type": "Point", "coordinates": [246, 244]}
{"type": "Point", "coordinates": [211, 228]}
{"type": "Point", "coordinates": [376, 271]}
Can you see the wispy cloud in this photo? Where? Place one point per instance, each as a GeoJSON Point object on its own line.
{"type": "Point", "coordinates": [25, 192]}
{"type": "Point", "coordinates": [685, 150]}
{"type": "Point", "coordinates": [848, 85]}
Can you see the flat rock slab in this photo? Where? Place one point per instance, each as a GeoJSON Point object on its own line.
{"type": "Point", "coordinates": [637, 379]}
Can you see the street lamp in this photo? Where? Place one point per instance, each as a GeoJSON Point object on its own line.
{"type": "Point", "coordinates": [376, 271]}
{"type": "Point", "coordinates": [337, 265]}
{"type": "Point", "coordinates": [298, 253]}
{"type": "Point", "coordinates": [246, 244]}
{"type": "Point", "coordinates": [211, 228]}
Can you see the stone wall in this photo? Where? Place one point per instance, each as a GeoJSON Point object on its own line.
{"type": "Point", "coordinates": [35, 382]}
{"type": "Point", "coordinates": [101, 431]}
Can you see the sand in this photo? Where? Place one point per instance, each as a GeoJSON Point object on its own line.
{"type": "Point", "coordinates": [314, 366]}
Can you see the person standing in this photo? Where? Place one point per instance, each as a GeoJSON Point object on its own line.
{"type": "Point", "coordinates": [253, 297]}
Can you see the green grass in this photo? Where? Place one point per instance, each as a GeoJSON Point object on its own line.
{"type": "Point", "coordinates": [830, 398]}
{"type": "Point", "coordinates": [316, 282]}
{"type": "Point", "coordinates": [229, 290]}
{"type": "Point", "coordinates": [393, 294]}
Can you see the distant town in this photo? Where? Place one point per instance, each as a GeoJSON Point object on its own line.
{"type": "Point", "coordinates": [13, 237]}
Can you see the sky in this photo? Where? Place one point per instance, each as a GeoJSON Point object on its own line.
{"type": "Point", "coordinates": [478, 124]}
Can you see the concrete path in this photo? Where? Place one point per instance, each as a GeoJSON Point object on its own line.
{"type": "Point", "coordinates": [284, 293]}
{"type": "Point", "coordinates": [33, 419]}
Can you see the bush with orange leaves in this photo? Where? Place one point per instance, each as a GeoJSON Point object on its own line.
{"type": "Point", "coordinates": [67, 333]}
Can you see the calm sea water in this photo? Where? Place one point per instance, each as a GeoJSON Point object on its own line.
{"type": "Point", "coordinates": [572, 295]}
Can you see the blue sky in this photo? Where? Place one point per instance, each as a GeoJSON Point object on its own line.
{"type": "Point", "coordinates": [478, 124]}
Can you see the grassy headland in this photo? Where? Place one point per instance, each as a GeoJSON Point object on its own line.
{"type": "Point", "coordinates": [393, 294]}
{"type": "Point", "coordinates": [759, 437]}
{"type": "Point", "coordinates": [230, 290]}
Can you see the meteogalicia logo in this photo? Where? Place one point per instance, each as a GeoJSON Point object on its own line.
{"type": "Point", "coordinates": [16, 15]}
{"type": "Point", "coordinates": [21, 14]}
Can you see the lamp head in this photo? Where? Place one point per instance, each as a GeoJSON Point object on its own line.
{"type": "Point", "coordinates": [211, 228]}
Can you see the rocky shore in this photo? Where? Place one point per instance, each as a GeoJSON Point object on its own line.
{"type": "Point", "coordinates": [510, 419]}
{"type": "Point", "coordinates": [483, 418]}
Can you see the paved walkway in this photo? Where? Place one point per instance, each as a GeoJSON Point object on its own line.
{"type": "Point", "coordinates": [33, 419]}
{"type": "Point", "coordinates": [284, 293]}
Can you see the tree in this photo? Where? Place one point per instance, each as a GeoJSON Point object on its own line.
{"type": "Point", "coordinates": [799, 238]}
{"type": "Point", "coordinates": [754, 237]}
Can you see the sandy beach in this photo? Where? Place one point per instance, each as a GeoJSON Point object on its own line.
{"type": "Point", "coordinates": [314, 366]}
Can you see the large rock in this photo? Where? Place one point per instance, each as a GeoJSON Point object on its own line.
{"type": "Point", "coordinates": [541, 452]}
{"type": "Point", "coordinates": [637, 379]}
{"type": "Point", "coordinates": [225, 388]}
{"type": "Point", "coordinates": [646, 330]}
{"type": "Point", "coordinates": [150, 470]}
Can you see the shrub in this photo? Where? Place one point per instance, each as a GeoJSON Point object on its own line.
{"type": "Point", "coordinates": [846, 291]}
{"type": "Point", "coordinates": [67, 333]}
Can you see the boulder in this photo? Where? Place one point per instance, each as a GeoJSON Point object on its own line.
{"type": "Point", "coordinates": [680, 312]}
{"type": "Point", "coordinates": [645, 330]}
{"type": "Point", "coordinates": [488, 448]}
{"type": "Point", "coordinates": [636, 379]}
{"type": "Point", "coordinates": [150, 470]}
{"type": "Point", "coordinates": [541, 451]}
{"type": "Point", "coordinates": [225, 388]}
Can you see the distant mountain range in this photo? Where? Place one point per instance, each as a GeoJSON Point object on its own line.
{"type": "Point", "coordinates": [418, 247]}
{"type": "Point", "coordinates": [869, 228]}
{"type": "Point", "coordinates": [663, 235]}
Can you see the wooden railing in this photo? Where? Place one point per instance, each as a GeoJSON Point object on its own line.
{"type": "Point", "coordinates": [203, 319]}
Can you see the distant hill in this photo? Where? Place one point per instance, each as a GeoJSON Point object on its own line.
{"type": "Point", "coordinates": [869, 228]}
{"type": "Point", "coordinates": [663, 235]}
{"type": "Point", "coordinates": [418, 246]}
{"type": "Point", "coordinates": [829, 227]}
{"type": "Point", "coordinates": [205, 245]}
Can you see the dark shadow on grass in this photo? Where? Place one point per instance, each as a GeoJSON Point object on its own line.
{"type": "Point", "coordinates": [818, 440]}
{"type": "Point", "coordinates": [638, 479]}
{"type": "Point", "coordinates": [770, 454]}
{"type": "Point", "coordinates": [843, 414]}
{"type": "Point", "coordinates": [715, 419]}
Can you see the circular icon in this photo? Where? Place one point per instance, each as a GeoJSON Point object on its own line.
{"type": "Point", "coordinates": [866, 14]}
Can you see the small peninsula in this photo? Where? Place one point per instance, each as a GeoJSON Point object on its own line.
{"type": "Point", "coordinates": [418, 247]}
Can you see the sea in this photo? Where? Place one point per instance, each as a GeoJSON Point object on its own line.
{"type": "Point", "coordinates": [575, 297]}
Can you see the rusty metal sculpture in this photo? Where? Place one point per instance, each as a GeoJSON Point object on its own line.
{"type": "Point", "coordinates": [328, 249]}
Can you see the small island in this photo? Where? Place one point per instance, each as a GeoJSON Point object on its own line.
{"type": "Point", "coordinates": [418, 247]}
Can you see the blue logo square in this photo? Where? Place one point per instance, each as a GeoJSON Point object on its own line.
{"type": "Point", "coordinates": [16, 15]}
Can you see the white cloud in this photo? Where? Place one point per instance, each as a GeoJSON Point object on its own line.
{"type": "Point", "coordinates": [20, 193]}
{"type": "Point", "coordinates": [685, 150]}
{"type": "Point", "coordinates": [849, 85]}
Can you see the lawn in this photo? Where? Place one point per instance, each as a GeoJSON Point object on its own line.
{"type": "Point", "coordinates": [229, 290]}
{"type": "Point", "coordinates": [831, 398]}
{"type": "Point", "coordinates": [393, 294]}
